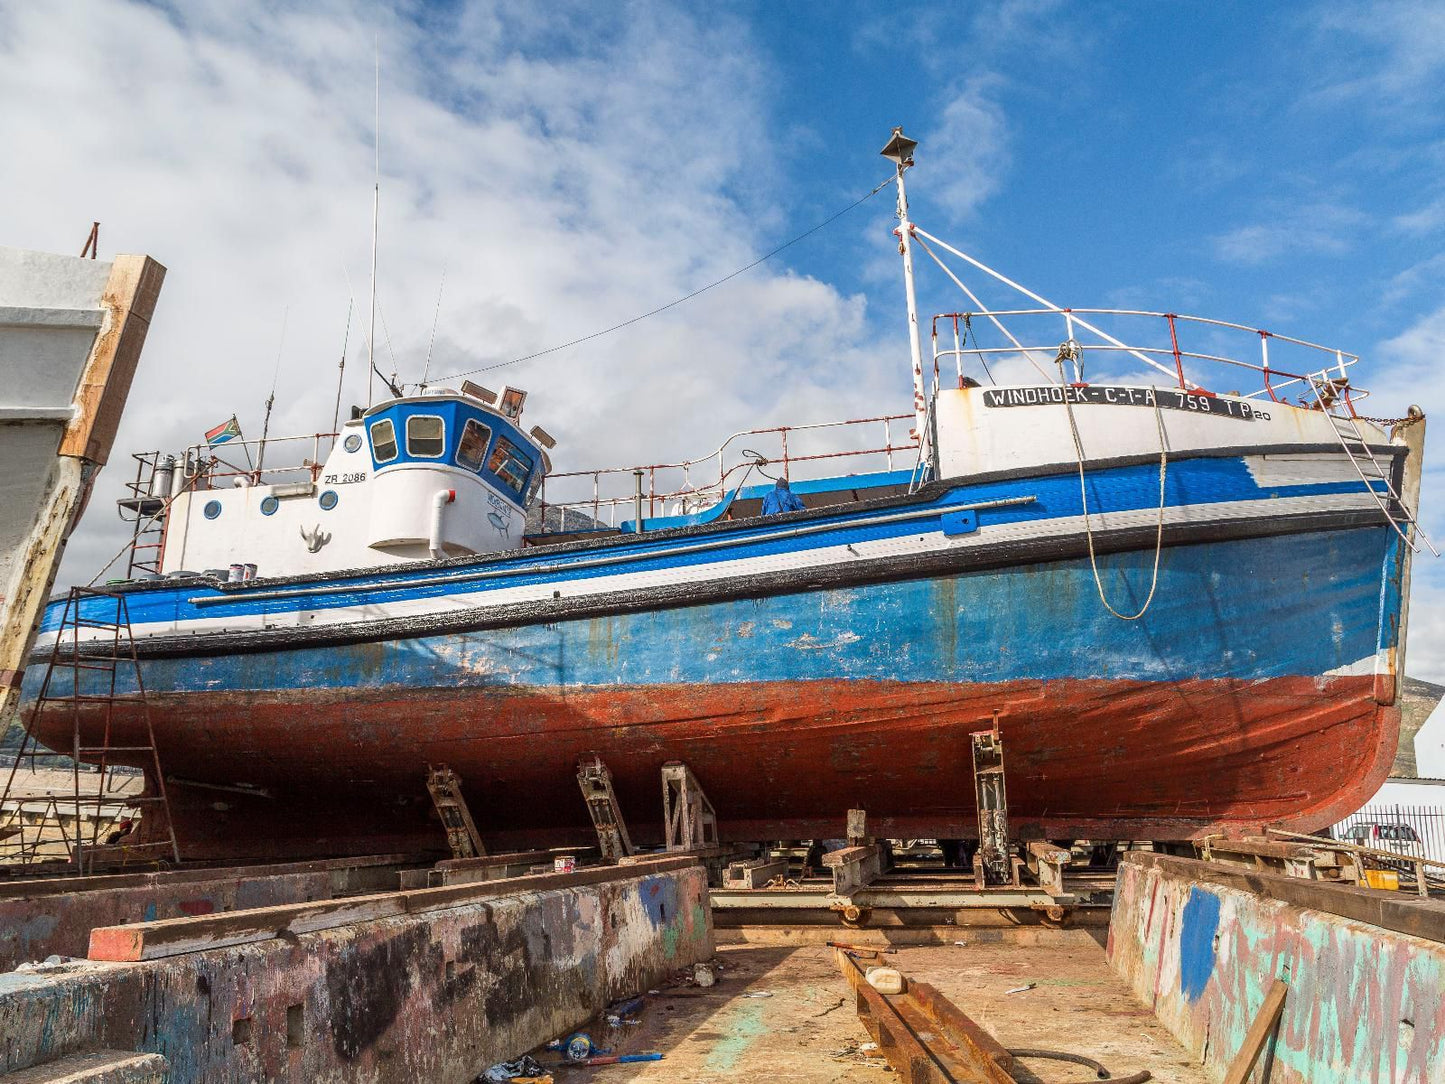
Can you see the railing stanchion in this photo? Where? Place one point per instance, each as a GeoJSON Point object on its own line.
{"type": "Point", "coordinates": [1174, 345]}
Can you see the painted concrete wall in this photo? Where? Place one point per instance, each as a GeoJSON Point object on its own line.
{"type": "Point", "coordinates": [435, 996]}
{"type": "Point", "coordinates": [1365, 1004]}
{"type": "Point", "coordinates": [40, 918]}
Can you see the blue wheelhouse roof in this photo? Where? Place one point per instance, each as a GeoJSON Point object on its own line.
{"type": "Point", "coordinates": [455, 412]}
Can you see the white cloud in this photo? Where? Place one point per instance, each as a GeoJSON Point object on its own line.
{"type": "Point", "coordinates": [1427, 219]}
{"type": "Point", "coordinates": [1316, 227]}
{"type": "Point", "coordinates": [569, 168]}
{"type": "Point", "coordinates": [969, 147]}
{"type": "Point", "coordinates": [1409, 372]}
{"type": "Point", "coordinates": [1406, 47]}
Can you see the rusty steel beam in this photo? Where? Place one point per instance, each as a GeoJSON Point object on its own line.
{"type": "Point", "coordinates": [926, 1038]}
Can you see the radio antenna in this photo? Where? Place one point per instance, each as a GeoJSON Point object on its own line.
{"type": "Point", "coordinates": [375, 216]}
{"type": "Point", "coordinates": [341, 368]}
{"type": "Point", "coordinates": [435, 317]}
{"type": "Point", "coordinates": [271, 399]}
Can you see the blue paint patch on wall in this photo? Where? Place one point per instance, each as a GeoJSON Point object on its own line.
{"type": "Point", "coordinates": [1196, 942]}
{"type": "Point", "coordinates": [659, 899]}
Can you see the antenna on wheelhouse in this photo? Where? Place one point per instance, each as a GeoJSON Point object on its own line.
{"type": "Point", "coordinates": [341, 367]}
{"type": "Point", "coordinates": [271, 399]}
{"type": "Point", "coordinates": [899, 151]}
{"type": "Point", "coordinates": [375, 216]}
{"type": "Point", "coordinates": [436, 316]}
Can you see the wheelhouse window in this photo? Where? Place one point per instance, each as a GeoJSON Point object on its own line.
{"type": "Point", "coordinates": [426, 436]}
{"type": "Point", "coordinates": [383, 441]}
{"type": "Point", "coordinates": [472, 450]}
{"type": "Point", "coordinates": [510, 465]}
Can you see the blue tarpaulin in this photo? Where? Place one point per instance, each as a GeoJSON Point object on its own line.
{"type": "Point", "coordinates": [781, 499]}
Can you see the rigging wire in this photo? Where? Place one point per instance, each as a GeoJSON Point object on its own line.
{"type": "Point", "coordinates": [436, 316]}
{"type": "Point", "coordinates": [686, 297]}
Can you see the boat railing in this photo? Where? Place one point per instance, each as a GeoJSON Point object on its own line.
{"type": "Point", "coordinates": [1197, 354]}
{"type": "Point", "coordinates": [605, 497]}
{"type": "Point", "coordinates": [244, 462]}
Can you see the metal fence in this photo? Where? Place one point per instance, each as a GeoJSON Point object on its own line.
{"type": "Point", "coordinates": [1414, 830]}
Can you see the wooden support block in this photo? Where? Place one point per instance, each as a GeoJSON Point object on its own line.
{"type": "Point", "coordinates": [1047, 863]}
{"type": "Point", "coordinates": [1259, 1033]}
{"type": "Point", "coordinates": [853, 867]}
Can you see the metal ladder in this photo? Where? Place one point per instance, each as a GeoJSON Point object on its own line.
{"type": "Point", "coordinates": [1326, 391]}
{"type": "Point", "coordinates": [90, 690]}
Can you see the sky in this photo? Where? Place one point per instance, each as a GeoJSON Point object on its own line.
{"type": "Point", "coordinates": [567, 166]}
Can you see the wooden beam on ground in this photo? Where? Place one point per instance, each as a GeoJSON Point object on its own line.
{"type": "Point", "coordinates": [1259, 1032]}
{"type": "Point", "coordinates": [153, 940]}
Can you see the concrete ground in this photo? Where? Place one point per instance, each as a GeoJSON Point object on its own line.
{"type": "Point", "coordinates": [806, 1028]}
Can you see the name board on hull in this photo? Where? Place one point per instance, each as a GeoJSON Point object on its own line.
{"type": "Point", "coordinates": [1110, 395]}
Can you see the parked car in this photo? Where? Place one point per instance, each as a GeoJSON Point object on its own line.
{"type": "Point", "coordinates": [1399, 838]}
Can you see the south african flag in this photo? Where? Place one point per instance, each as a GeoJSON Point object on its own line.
{"type": "Point", "coordinates": [227, 430]}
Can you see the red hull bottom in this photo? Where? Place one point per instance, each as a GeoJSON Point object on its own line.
{"type": "Point", "coordinates": [344, 772]}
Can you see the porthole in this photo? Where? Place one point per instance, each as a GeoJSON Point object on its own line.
{"type": "Point", "coordinates": [269, 506]}
{"type": "Point", "coordinates": [212, 509]}
{"type": "Point", "coordinates": [328, 500]}
{"type": "Point", "coordinates": [352, 442]}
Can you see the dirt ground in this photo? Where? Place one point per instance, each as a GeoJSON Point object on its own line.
{"type": "Point", "coordinates": [805, 1028]}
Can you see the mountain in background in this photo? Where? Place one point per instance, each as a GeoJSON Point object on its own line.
{"type": "Point", "coordinates": [1416, 703]}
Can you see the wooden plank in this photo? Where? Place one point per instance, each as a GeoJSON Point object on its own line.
{"type": "Point", "coordinates": [1259, 1033]}
{"type": "Point", "coordinates": [130, 300]}
{"type": "Point", "coordinates": [68, 886]}
{"type": "Point", "coordinates": [174, 937]}
{"type": "Point", "coordinates": [96, 1067]}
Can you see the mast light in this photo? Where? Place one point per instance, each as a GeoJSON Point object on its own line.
{"type": "Point", "coordinates": [899, 149]}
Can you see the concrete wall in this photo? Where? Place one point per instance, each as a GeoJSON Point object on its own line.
{"type": "Point", "coordinates": [1202, 946]}
{"type": "Point", "coordinates": [436, 996]}
{"type": "Point", "coordinates": [38, 918]}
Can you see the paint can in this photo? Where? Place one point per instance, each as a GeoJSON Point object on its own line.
{"type": "Point", "coordinates": [236, 574]}
{"type": "Point", "coordinates": [564, 863]}
{"type": "Point", "coordinates": [250, 570]}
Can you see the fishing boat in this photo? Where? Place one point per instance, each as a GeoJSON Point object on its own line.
{"type": "Point", "coordinates": [1185, 605]}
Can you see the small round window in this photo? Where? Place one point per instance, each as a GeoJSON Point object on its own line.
{"type": "Point", "coordinates": [212, 509]}
{"type": "Point", "coordinates": [352, 442]}
{"type": "Point", "coordinates": [269, 506]}
{"type": "Point", "coordinates": [329, 499]}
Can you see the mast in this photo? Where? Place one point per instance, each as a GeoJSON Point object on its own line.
{"type": "Point", "coordinates": [375, 215]}
{"type": "Point", "coordinates": [899, 151]}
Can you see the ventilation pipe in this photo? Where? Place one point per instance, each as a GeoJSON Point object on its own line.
{"type": "Point", "coordinates": [440, 500]}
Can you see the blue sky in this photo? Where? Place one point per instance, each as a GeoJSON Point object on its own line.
{"type": "Point", "coordinates": [571, 165]}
